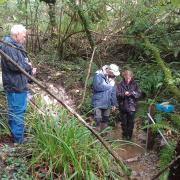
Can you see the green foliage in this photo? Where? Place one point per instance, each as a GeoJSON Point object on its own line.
{"type": "Point", "coordinates": [150, 79]}
{"type": "Point", "coordinates": [176, 3]}
{"type": "Point", "coordinates": [165, 122]}
{"type": "Point", "coordinates": [175, 119]}
{"type": "Point", "coordinates": [16, 167]}
{"type": "Point", "coordinates": [87, 108]}
{"type": "Point", "coordinates": [2, 1]}
{"type": "Point", "coordinates": [167, 154]}
{"type": "Point", "coordinates": [68, 149]}
{"type": "Point", "coordinates": [4, 127]}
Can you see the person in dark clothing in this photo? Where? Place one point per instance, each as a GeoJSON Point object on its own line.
{"type": "Point", "coordinates": [128, 93]}
{"type": "Point", "coordinates": [14, 81]}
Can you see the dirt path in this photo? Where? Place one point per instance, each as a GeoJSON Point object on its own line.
{"type": "Point", "coordinates": [144, 164]}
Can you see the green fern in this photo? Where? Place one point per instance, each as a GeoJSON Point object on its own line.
{"type": "Point", "coordinates": [166, 156]}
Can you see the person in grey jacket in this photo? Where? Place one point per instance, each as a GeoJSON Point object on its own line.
{"type": "Point", "coordinates": [14, 81]}
{"type": "Point", "coordinates": [104, 94]}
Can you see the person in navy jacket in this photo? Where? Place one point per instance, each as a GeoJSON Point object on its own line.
{"type": "Point", "coordinates": [104, 94]}
{"type": "Point", "coordinates": [15, 83]}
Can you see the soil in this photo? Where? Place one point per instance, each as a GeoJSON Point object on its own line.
{"type": "Point", "coordinates": [144, 164]}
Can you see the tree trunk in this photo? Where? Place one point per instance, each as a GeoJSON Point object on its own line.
{"type": "Point", "coordinates": [52, 18]}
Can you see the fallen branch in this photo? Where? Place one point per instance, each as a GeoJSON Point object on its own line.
{"type": "Point", "coordinates": [168, 166]}
{"type": "Point", "coordinates": [118, 159]}
{"type": "Point", "coordinates": [87, 77]}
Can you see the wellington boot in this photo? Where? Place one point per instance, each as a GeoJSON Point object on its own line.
{"type": "Point", "coordinates": [103, 126]}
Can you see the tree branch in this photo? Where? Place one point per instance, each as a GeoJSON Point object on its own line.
{"type": "Point", "coordinates": [119, 160]}
{"type": "Point", "coordinates": [87, 77]}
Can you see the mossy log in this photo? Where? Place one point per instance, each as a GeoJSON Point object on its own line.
{"type": "Point", "coordinates": [167, 72]}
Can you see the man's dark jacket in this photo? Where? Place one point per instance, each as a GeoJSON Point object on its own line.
{"type": "Point", "coordinates": [128, 103]}
{"type": "Point", "coordinates": [13, 79]}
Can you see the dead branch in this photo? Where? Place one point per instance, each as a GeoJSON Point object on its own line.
{"type": "Point", "coordinates": [87, 77]}
{"type": "Point", "coordinates": [108, 147]}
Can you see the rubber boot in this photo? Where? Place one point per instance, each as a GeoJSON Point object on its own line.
{"type": "Point", "coordinates": [129, 135]}
{"type": "Point", "coordinates": [98, 121]}
{"type": "Point", "coordinates": [104, 123]}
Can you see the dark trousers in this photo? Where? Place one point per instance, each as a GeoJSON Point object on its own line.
{"type": "Point", "coordinates": [127, 123]}
{"type": "Point", "coordinates": [101, 116]}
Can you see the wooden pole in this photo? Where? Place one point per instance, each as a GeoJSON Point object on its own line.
{"type": "Point", "coordinates": [87, 77]}
{"type": "Point", "coordinates": [118, 159]}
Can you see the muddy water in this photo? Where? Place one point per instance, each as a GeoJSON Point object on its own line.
{"type": "Point", "coordinates": [144, 165]}
{"type": "Point", "coordinates": [127, 149]}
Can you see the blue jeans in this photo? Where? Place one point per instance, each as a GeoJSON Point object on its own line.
{"type": "Point", "coordinates": [17, 105]}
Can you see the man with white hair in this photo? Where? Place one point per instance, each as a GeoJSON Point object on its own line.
{"type": "Point", "coordinates": [104, 94]}
{"type": "Point", "coordinates": [14, 81]}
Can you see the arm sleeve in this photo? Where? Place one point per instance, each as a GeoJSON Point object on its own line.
{"type": "Point", "coordinates": [114, 96]}
{"type": "Point", "coordinates": [120, 91]}
{"type": "Point", "coordinates": [18, 58]}
{"type": "Point", "coordinates": [136, 92]}
{"type": "Point", "coordinates": [99, 84]}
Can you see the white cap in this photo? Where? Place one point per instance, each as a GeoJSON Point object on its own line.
{"type": "Point", "coordinates": [114, 69]}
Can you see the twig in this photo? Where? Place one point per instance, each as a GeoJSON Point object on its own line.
{"type": "Point", "coordinates": [157, 22]}
{"type": "Point", "coordinates": [87, 77]}
{"type": "Point", "coordinates": [36, 107]}
{"type": "Point", "coordinates": [108, 147]}
{"type": "Point", "coordinates": [168, 166]}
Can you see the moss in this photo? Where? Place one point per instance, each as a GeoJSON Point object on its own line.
{"type": "Point", "coordinates": [167, 72]}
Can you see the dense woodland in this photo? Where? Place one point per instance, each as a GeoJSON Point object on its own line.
{"type": "Point", "coordinates": [68, 40]}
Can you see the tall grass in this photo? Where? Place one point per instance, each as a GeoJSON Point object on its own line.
{"type": "Point", "coordinates": [69, 150]}
{"type": "Point", "coordinates": [4, 127]}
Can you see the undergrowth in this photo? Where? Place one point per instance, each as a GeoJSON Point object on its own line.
{"type": "Point", "coordinates": [63, 148]}
{"type": "Point", "coordinates": [167, 154]}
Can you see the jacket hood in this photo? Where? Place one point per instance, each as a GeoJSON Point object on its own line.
{"type": "Point", "coordinates": [10, 40]}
